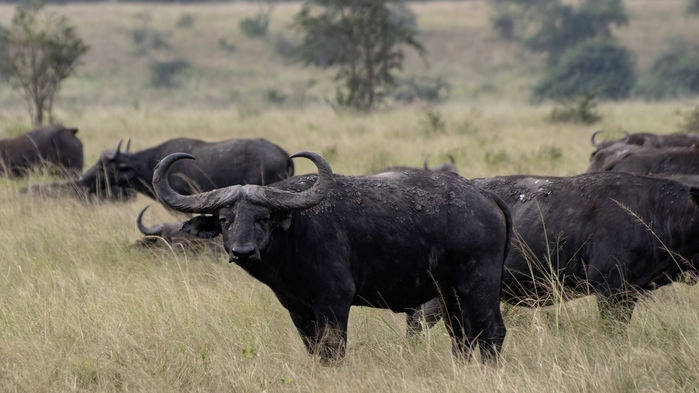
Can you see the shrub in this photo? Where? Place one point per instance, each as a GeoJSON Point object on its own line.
{"type": "Point", "coordinates": [425, 88]}
{"type": "Point", "coordinates": [163, 73]}
{"type": "Point", "coordinates": [433, 122]}
{"type": "Point", "coordinates": [225, 45]}
{"type": "Point", "coordinates": [581, 110]}
{"type": "Point", "coordinates": [675, 73]}
{"type": "Point", "coordinates": [690, 122]}
{"type": "Point", "coordinates": [693, 7]}
{"type": "Point", "coordinates": [255, 27]}
{"type": "Point", "coordinates": [598, 66]}
{"type": "Point", "coordinates": [185, 20]}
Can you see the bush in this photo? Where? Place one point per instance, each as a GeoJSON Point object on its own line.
{"type": "Point", "coordinates": [674, 74]}
{"type": "Point", "coordinates": [163, 73]}
{"type": "Point", "coordinates": [185, 20]}
{"type": "Point", "coordinates": [255, 27]}
{"type": "Point", "coordinates": [691, 121]}
{"type": "Point", "coordinates": [581, 110]}
{"type": "Point", "coordinates": [597, 66]}
{"type": "Point", "coordinates": [427, 89]}
{"type": "Point", "coordinates": [693, 7]}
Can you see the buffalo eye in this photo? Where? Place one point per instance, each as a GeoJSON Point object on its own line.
{"type": "Point", "coordinates": [225, 220]}
{"type": "Point", "coordinates": [262, 222]}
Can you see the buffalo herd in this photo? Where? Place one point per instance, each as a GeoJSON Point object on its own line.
{"type": "Point", "coordinates": [424, 241]}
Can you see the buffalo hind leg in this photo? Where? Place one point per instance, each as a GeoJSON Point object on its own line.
{"type": "Point", "coordinates": [423, 318]}
{"type": "Point", "coordinates": [470, 325]}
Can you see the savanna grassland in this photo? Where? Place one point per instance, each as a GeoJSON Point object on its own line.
{"type": "Point", "coordinates": [82, 311]}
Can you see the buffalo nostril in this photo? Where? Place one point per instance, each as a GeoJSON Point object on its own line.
{"type": "Point", "coordinates": [243, 251]}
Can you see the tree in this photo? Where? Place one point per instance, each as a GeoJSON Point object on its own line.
{"type": "Point", "coordinates": [363, 39]}
{"type": "Point", "coordinates": [598, 66]}
{"type": "Point", "coordinates": [40, 51]}
{"type": "Point", "coordinates": [552, 27]}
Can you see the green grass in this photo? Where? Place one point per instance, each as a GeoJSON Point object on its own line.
{"type": "Point", "coordinates": [80, 310]}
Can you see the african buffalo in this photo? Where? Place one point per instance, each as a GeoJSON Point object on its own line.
{"type": "Point", "coordinates": [608, 154]}
{"type": "Point", "coordinates": [170, 234]}
{"type": "Point", "coordinates": [221, 164]}
{"type": "Point", "coordinates": [392, 240]}
{"type": "Point", "coordinates": [55, 147]}
{"type": "Point", "coordinates": [648, 139]}
{"type": "Point", "coordinates": [608, 234]}
{"type": "Point", "coordinates": [655, 161]}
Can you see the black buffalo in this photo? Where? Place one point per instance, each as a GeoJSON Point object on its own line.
{"type": "Point", "coordinates": [649, 139]}
{"type": "Point", "coordinates": [55, 147]}
{"type": "Point", "coordinates": [611, 153]}
{"type": "Point", "coordinates": [655, 161]}
{"type": "Point", "coordinates": [171, 235]}
{"type": "Point", "coordinates": [221, 164]}
{"type": "Point", "coordinates": [392, 240]}
{"type": "Point", "coordinates": [613, 235]}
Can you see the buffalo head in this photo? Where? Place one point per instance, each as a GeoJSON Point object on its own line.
{"type": "Point", "coordinates": [247, 214]}
{"type": "Point", "coordinates": [111, 170]}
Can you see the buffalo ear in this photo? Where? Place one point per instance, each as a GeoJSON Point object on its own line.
{"type": "Point", "coordinates": [205, 227]}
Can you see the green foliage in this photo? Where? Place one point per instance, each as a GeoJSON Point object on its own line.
{"type": "Point", "coordinates": [582, 110]}
{"type": "Point", "coordinates": [690, 123]}
{"type": "Point", "coordinates": [146, 38]}
{"type": "Point", "coordinates": [185, 20]}
{"type": "Point", "coordinates": [693, 6]}
{"type": "Point", "coordinates": [258, 25]}
{"type": "Point", "coordinates": [164, 73]}
{"type": "Point", "coordinates": [363, 39]}
{"type": "Point", "coordinates": [558, 26]}
{"type": "Point", "coordinates": [40, 51]}
{"type": "Point", "coordinates": [255, 27]}
{"type": "Point", "coordinates": [433, 122]}
{"type": "Point", "coordinates": [597, 66]}
{"type": "Point", "coordinates": [674, 74]}
{"type": "Point", "coordinates": [427, 89]}
{"type": "Point", "coordinates": [225, 45]}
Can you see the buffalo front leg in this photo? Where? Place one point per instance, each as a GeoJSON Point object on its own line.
{"type": "Point", "coordinates": [324, 336]}
{"type": "Point", "coordinates": [423, 318]}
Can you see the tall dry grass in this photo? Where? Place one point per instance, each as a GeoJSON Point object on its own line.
{"type": "Point", "coordinates": [81, 310]}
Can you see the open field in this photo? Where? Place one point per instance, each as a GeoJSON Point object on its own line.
{"type": "Point", "coordinates": [81, 311]}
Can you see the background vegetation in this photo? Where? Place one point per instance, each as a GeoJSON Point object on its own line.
{"type": "Point", "coordinates": [80, 310]}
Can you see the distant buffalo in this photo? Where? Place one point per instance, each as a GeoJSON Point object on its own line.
{"type": "Point", "coordinates": [220, 164]}
{"type": "Point", "coordinates": [170, 234]}
{"type": "Point", "coordinates": [649, 139]}
{"type": "Point", "coordinates": [610, 153]}
{"type": "Point", "coordinates": [56, 148]}
{"type": "Point", "coordinates": [652, 161]}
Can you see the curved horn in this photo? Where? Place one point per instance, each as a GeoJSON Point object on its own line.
{"type": "Point", "coordinates": [208, 202]}
{"type": "Point", "coordinates": [155, 230]}
{"type": "Point", "coordinates": [128, 146]}
{"type": "Point", "coordinates": [592, 139]}
{"type": "Point", "coordinates": [112, 155]}
{"type": "Point", "coordinates": [627, 135]}
{"type": "Point", "coordinates": [424, 163]}
{"type": "Point", "coordinates": [276, 198]}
